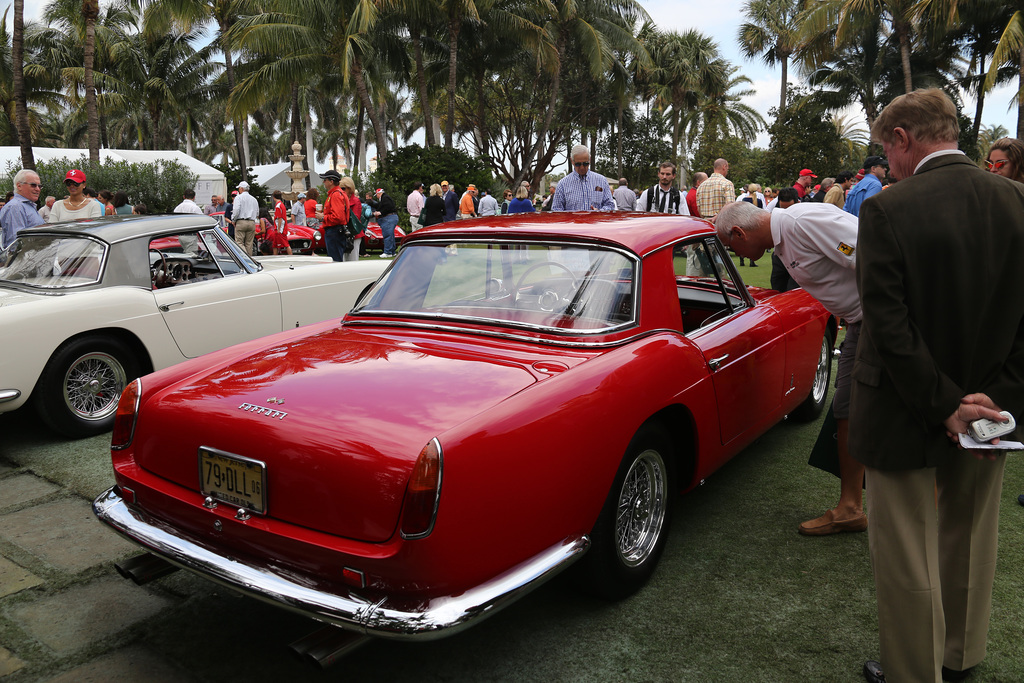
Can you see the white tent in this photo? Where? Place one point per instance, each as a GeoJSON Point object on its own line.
{"type": "Point", "coordinates": [211, 181]}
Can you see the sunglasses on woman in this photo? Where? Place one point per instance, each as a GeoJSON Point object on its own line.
{"type": "Point", "coordinates": [992, 165]}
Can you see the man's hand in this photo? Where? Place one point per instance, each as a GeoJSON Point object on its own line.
{"type": "Point", "coordinates": [972, 407]}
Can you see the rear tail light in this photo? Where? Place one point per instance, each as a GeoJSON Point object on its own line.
{"type": "Point", "coordinates": [124, 419]}
{"type": "Point", "coordinates": [423, 493]}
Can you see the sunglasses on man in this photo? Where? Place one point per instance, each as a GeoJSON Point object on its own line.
{"type": "Point", "coordinates": [579, 164]}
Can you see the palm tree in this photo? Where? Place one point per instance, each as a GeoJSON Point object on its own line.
{"type": "Point", "coordinates": [722, 114]}
{"type": "Point", "coordinates": [848, 18]}
{"type": "Point", "coordinates": [90, 12]}
{"type": "Point", "coordinates": [18, 73]}
{"type": "Point", "coordinates": [456, 12]}
{"type": "Point", "coordinates": [982, 22]}
{"type": "Point", "coordinates": [167, 74]}
{"type": "Point", "coordinates": [40, 98]}
{"type": "Point", "coordinates": [1010, 50]}
{"type": "Point", "coordinates": [223, 13]}
{"type": "Point", "coordinates": [418, 16]}
{"type": "Point", "coordinates": [773, 33]}
{"type": "Point", "coordinates": [990, 134]}
{"type": "Point", "coordinates": [687, 66]}
{"type": "Point", "coordinates": [595, 29]}
{"type": "Point", "coordinates": [321, 35]}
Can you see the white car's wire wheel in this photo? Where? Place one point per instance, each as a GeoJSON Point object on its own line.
{"type": "Point", "coordinates": [77, 392]}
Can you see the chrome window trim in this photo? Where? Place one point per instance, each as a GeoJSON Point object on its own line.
{"type": "Point", "coordinates": [547, 329]}
{"type": "Point", "coordinates": [509, 336]}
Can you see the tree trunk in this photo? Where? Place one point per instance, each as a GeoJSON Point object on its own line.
{"type": "Point", "coordinates": [359, 160]}
{"type": "Point", "coordinates": [364, 97]}
{"type": "Point", "coordinates": [90, 11]}
{"type": "Point", "coordinates": [552, 102]}
{"type": "Point", "coordinates": [785, 84]}
{"type": "Point", "coordinates": [310, 151]}
{"type": "Point", "coordinates": [229, 69]}
{"type": "Point", "coordinates": [1020, 97]}
{"type": "Point", "coordinates": [481, 115]}
{"type": "Point", "coordinates": [454, 25]}
{"type": "Point", "coordinates": [421, 83]}
{"type": "Point", "coordinates": [976, 128]}
{"type": "Point", "coordinates": [20, 100]}
{"type": "Point", "coordinates": [903, 33]}
{"type": "Point", "coordinates": [618, 138]}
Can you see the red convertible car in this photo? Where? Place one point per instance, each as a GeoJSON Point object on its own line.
{"type": "Point", "coordinates": [562, 377]}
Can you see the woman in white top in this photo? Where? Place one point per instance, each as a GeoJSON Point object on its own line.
{"type": "Point", "coordinates": [77, 205]}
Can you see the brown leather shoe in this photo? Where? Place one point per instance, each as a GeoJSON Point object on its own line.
{"type": "Point", "coordinates": [827, 524]}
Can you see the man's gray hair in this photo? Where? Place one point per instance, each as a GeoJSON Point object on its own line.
{"type": "Point", "coordinates": [742, 214]}
{"type": "Point", "coordinates": [578, 150]}
{"type": "Point", "coordinates": [21, 176]}
{"type": "Point", "coordinates": [827, 183]}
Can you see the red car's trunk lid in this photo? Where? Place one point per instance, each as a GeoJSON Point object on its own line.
{"type": "Point", "coordinates": [337, 419]}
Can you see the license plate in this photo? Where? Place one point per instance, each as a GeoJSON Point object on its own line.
{"type": "Point", "coordinates": [234, 479]}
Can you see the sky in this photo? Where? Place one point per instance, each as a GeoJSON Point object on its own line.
{"type": "Point", "coordinates": [721, 20]}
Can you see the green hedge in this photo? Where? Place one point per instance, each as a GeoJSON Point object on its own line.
{"type": "Point", "coordinates": [159, 185]}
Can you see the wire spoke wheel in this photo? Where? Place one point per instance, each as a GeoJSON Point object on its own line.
{"type": "Point", "coordinates": [821, 374]}
{"type": "Point", "coordinates": [641, 510]}
{"type": "Point", "coordinates": [93, 384]}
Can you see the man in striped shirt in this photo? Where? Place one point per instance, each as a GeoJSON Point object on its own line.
{"type": "Point", "coordinates": [582, 190]}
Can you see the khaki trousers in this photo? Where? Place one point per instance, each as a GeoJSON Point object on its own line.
{"type": "Point", "coordinates": [245, 234]}
{"type": "Point", "coordinates": [934, 564]}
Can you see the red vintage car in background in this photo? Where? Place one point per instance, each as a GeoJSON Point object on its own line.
{"type": "Point", "coordinates": [562, 377]}
{"type": "Point", "coordinates": [373, 239]}
{"type": "Point", "coordinates": [305, 240]}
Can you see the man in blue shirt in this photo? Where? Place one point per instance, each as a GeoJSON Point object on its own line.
{"type": "Point", "coordinates": [582, 190]}
{"type": "Point", "coordinates": [875, 169]}
{"type": "Point", "coordinates": [23, 210]}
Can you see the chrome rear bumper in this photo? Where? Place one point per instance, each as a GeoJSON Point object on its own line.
{"type": "Point", "coordinates": [409, 619]}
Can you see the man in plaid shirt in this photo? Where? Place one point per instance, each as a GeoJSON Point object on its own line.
{"type": "Point", "coordinates": [582, 190]}
{"type": "Point", "coordinates": [716, 191]}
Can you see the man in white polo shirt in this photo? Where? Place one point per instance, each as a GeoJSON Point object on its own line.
{"type": "Point", "coordinates": [817, 244]}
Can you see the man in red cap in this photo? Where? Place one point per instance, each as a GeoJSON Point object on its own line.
{"type": "Point", "coordinates": [803, 182]}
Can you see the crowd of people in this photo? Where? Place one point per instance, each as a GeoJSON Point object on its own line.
{"type": "Point", "coordinates": [929, 346]}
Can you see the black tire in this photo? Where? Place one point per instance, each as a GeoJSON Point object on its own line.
{"type": "Point", "coordinates": [631, 531]}
{"type": "Point", "coordinates": [812, 406]}
{"type": "Point", "coordinates": [78, 390]}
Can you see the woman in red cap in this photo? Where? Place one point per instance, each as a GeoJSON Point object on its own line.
{"type": "Point", "coordinates": [77, 205]}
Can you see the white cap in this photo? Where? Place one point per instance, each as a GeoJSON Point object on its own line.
{"type": "Point", "coordinates": [243, 185]}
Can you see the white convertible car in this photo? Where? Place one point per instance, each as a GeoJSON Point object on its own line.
{"type": "Point", "coordinates": [85, 307]}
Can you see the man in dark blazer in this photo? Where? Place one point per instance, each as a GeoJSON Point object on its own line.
{"type": "Point", "coordinates": [451, 201]}
{"type": "Point", "coordinates": [941, 345]}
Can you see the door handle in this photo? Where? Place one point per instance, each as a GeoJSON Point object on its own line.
{"type": "Point", "coordinates": [167, 307]}
{"type": "Point", "coordinates": [714, 363]}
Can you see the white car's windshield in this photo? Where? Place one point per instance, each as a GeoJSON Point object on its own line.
{"type": "Point", "coordinates": [563, 287]}
{"type": "Point", "coordinates": [52, 261]}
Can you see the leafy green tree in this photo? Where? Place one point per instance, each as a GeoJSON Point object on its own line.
{"type": "Point", "coordinates": [407, 165]}
{"type": "Point", "coordinates": [644, 143]}
{"type": "Point", "coordinates": [159, 184]}
{"type": "Point", "coordinates": [802, 137]}
{"type": "Point", "coordinates": [746, 165]}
